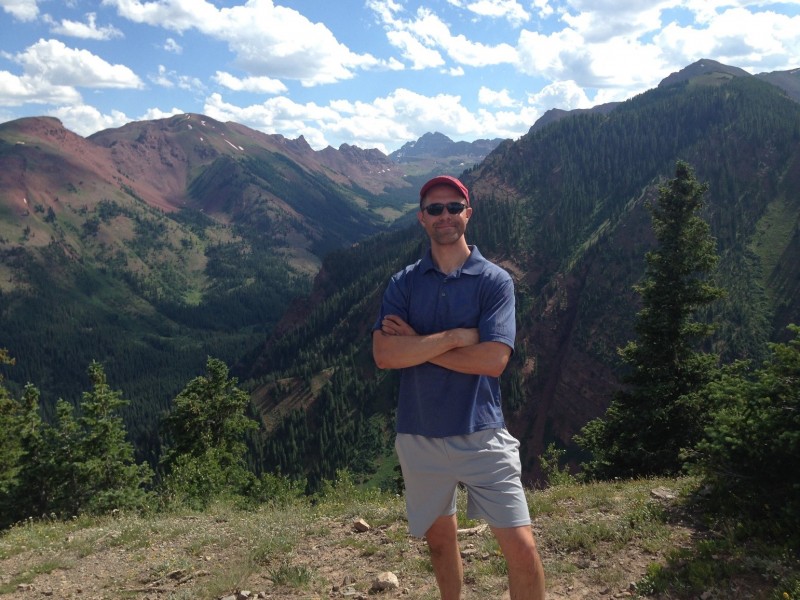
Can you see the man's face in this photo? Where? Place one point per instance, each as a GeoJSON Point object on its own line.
{"type": "Point", "coordinates": [445, 228]}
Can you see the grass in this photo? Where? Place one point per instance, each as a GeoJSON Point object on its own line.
{"type": "Point", "coordinates": [596, 538]}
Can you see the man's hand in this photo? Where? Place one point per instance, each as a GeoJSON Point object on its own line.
{"type": "Point", "coordinates": [394, 325]}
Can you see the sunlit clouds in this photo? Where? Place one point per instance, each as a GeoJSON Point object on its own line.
{"type": "Point", "coordinates": [374, 73]}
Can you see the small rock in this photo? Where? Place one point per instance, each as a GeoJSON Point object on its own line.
{"type": "Point", "coordinates": [24, 587]}
{"type": "Point", "coordinates": [385, 581]}
{"type": "Point", "coordinates": [662, 493]}
{"type": "Point", "coordinates": [177, 574]}
{"type": "Point", "coordinates": [361, 525]}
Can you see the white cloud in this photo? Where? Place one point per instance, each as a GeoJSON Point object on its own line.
{"type": "Point", "coordinates": [761, 41]}
{"type": "Point", "coordinates": [600, 20]}
{"type": "Point", "coordinates": [88, 30]}
{"type": "Point", "coordinates": [566, 95]}
{"type": "Point", "coordinates": [383, 123]}
{"type": "Point", "coordinates": [152, 114]}
{"type": "Point", "coordinates": [511, 10]}
{"type": "Point", "coordinates": [53, 62]}
{"type": "Point", "coordinates": [421, 39]}
{"type": "Point", "coordinates": [259, 85]}
{"type": "Point", "coordinates": [268, 40]}
{"type": "Point", "coordinates": [500, 98]}
{"type": "Point", "coordinates": [475, 54]}
{"type": "Point", "coordinates": [171, 79]}
{"type": "Point", "coordinates": [86, 120]}
{"type": "Point", "coordinates": [276, 115]}
{"type": "Point", "coordinates": [419, 55]}
{"type": "Point", "coordinates": [17, 90]}
{"type": "Point", "coordinates": [172, 46]}
{"type": "Point", "coordinates": [24, 10]}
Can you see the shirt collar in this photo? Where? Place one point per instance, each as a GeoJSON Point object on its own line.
{"type": "Point", "coordinates": [472, 266]}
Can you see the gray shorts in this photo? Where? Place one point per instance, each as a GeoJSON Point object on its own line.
{"type": "Point", "coordinates": [486, 462]}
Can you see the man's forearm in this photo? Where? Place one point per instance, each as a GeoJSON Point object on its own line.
{"type": "Point", "coordinates": [401, 351]}
{"type": "Point", "coordinates": [485, 358]}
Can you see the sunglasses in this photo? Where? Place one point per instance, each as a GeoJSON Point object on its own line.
{"type": "Point", "coordinates": [435, 209]}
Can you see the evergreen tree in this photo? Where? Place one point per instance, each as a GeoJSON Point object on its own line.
{"type": "Point", "coordinates": [753, 440]}
{"type": "Point", "coordinates": [108, 474]}
{"type": "Point", "coordinates": [659, 413]}
{"type": "Point", "coordinates": [33, 493]}
{"type": "Point", "coordinates": [206, 428]}
{"type": "Point", "coordinates": [52, 472]}
{"type": "Point", "coordinates": [10, 446]}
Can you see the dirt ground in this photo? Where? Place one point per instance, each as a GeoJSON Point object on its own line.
{"type": "Point", "coordinates": [310, 554]}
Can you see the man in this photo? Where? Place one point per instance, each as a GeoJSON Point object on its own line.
{"type": "Point", "coordinates": [447, 322]}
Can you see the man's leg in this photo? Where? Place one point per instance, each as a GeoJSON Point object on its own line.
{"type": "Point", "coordinates": [442, 540]}
{"type": "Point", "coordinates": [525, 572]}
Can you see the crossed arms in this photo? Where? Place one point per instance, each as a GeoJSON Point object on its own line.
{"type": "Point", "coordinates": [397, 346]}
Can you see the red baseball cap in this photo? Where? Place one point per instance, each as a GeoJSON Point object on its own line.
{"type": "Point", "coordinates": [444, 180]}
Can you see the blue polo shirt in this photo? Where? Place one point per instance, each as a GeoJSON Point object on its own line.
{"type": "Point", "coordinates": [435, 401]}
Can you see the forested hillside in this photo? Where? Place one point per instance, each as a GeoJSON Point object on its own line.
{"type": "Point", "coordinates": [151, 247]}
{"type": "Point", "coordinates": [563, 209]}
{"type": "Point", "coordinates": [155, 245]}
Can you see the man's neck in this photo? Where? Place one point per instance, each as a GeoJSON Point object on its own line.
{"type": "Point", "coordinates": [450, 257]}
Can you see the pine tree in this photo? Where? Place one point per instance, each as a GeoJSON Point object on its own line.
{"type": "Point", "coordinates": [34, 491]}
{"type": "Point", "coordinates": [10, 447]}
{"type": "Point", "coordinates": [109, 475]}
{"type": "Point", "coordinates": [658, 414]}
{"type": "Point", "coordinates": [206, 429]}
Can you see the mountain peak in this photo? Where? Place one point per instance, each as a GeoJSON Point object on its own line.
{"type": "Point", "coordinates": [704, 67]}
{"type": "Point", "coordinates": [438, 145]}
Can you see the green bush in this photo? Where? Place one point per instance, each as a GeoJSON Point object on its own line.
{"type": "Point", "coordinates": [751, 448]}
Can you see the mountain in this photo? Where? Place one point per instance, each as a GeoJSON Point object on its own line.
{"type": "Point", "coordinates": [563, 210]}
{"type": "Point", "coordinates": [711, 72]}
{"type": "Point", "coordinates": [153, 245]}
{"type": "Point", "coordinates": [704, 72]}
{"type": "Point", "coordinates": [439, 146]}
{"type": "Point", "coordinates": [435, 152]}
{"type": "Point", "coordinates": [556, 114]}
{"type": "Point", "coordinates": [788, 81]}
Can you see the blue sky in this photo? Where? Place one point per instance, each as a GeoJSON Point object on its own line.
{"type": "Point", "coordinates": [371, 73]}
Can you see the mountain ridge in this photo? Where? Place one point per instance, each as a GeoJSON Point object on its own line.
{"type": "Point", "coordinates": [223, 266]}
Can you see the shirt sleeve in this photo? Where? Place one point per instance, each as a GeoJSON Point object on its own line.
{"type": "Point", "coordinates": [395, 300]}
{"type": "Point", "coordinates": [498, 317]}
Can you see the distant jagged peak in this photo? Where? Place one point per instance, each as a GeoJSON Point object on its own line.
{"type": "Point", "coordinates": [438, 145]}
{"type": "Point", "coordinates": [702, 68]}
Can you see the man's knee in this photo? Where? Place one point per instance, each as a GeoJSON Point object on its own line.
{"type": "Point", "coordinates": [517, 544]}
{"type": "Point", "coordinates": [442, 535]}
